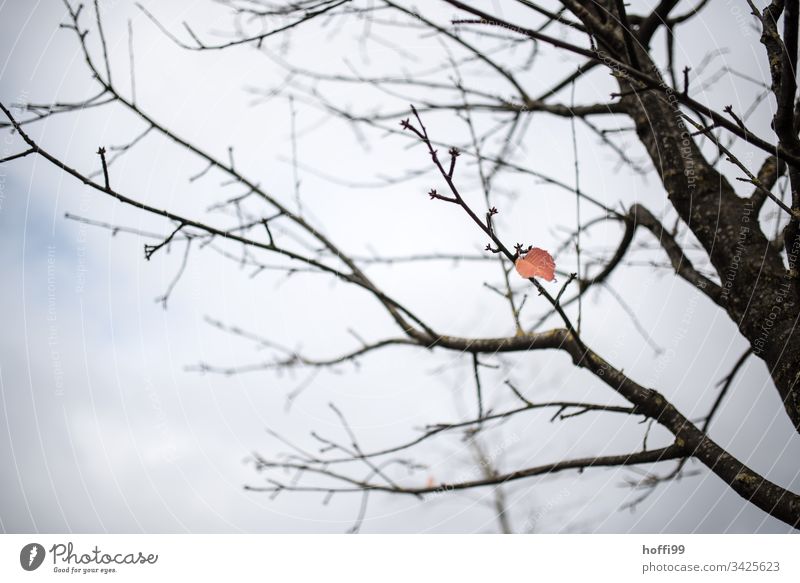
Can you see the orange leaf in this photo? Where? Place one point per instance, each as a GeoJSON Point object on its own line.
{"type": "Point", "coordinates": [536, 263]}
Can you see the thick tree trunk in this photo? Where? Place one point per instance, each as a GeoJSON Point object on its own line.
{"type": "Point", "coordinates": [758, 292]}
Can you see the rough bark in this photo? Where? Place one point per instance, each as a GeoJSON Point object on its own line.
{"type": "Point", "coordinates": [758, 290]}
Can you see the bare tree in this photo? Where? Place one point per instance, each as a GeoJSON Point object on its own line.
{"type": "Point", "coordinates": [718, 244]}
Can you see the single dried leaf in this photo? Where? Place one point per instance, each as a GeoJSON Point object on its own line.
{"type": "Point", "coordinates": [536, 263]}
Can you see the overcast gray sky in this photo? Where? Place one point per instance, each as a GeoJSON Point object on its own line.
{"type": "Point", "coordinates": [104, 429]}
